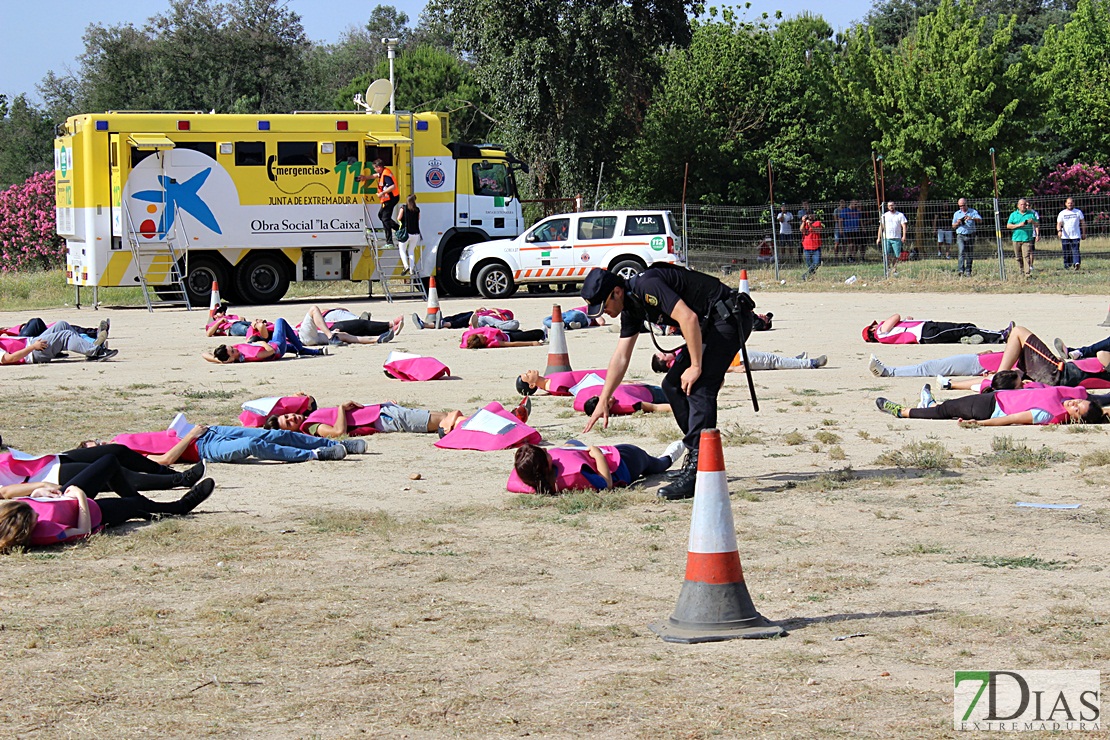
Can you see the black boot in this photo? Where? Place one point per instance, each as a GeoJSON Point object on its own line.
{"type": "Point", "coordinates": [191, 500]}
{"type": "Point", "coordinates": [683, 486]}
{"type": "Point", "coordinates": [672, 474]}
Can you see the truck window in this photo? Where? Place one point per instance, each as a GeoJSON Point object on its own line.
{"type": "Point", "coordinates": [597, 227]}
{"type": "Point", "coordinates": [491, 178]}
{"type": "Point", "coordinates": [346, 151]}
{"type": "Point", "coordinates": [250, 153]}
{"type": "Point", "coordinates": [644, 225]}
{"type": "Point", "coordinates": [384, 153]}
{"type": "Point", "coordinates": [207, 148]}
{"type": "Point", "coordinates": [138, 155]}
{"type": "Point", "coordinates": [296, 153]}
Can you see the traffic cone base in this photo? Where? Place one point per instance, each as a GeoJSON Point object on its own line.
{"type": "Point", "coordinates": [714, 603]}
{"type": "Point", "coordinates": [558, 359]}
{"type": "Point", "coordinates": [214, 301]}
{"type": "Point", "coordinates": [1106, 321]}
{"type": "Point", "coordinates": [432, 317]}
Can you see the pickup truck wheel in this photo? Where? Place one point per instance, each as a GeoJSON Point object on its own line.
{"type": "Point", "coordinates": [627, 268]}
{"type": "Point", "coordinates": [496, 281]}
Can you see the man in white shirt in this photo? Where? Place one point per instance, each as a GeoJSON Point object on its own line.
{"type": "Point", "coordinates": [1071, 228]}
{"type": "Point", "coordinates": [892, 231]}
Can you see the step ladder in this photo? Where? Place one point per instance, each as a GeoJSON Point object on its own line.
{"type": "Point", "coordinates": [160, 253]}
{"type": "Point", "coordinates": [387, 260]}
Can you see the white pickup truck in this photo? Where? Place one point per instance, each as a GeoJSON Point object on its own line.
{"type": "Point", "coordinates": [561, 249]}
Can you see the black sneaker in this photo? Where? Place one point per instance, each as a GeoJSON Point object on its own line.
{"type": "Point", "coordinates": [101, 354]}
{"type": "Point", "coordinates": [192, 476]}
{"type": "Point", "coordinates": [197, 495]}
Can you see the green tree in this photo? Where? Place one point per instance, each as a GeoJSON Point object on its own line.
{"type": "Point", "coordinates": [26, 141]}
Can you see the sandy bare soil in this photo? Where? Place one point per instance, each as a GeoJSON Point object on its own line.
{"type": "Point", "coordinates": [345, 599]}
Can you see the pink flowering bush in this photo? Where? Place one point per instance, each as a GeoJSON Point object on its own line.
{"type": "Point", "coordinates": [28, 238]}
{"type": "Point", "coordinates": [1072, 179]}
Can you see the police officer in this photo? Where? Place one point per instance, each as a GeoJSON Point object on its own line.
{"type": "Point", "coordinates": [711, 318]}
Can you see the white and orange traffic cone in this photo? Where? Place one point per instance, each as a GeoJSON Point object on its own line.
{"type": "Point", "coordinates": [1106, 321]}
{"type": "Point", "coordinates": [714, 603]}
{"type": "Point", "coordinates": [558, 360]}
{"type": "Point", "coordinates": [745, 287]}
{"type": "Point", "coordinates": [432, 318]}
{"type": "Point", "coordinates": [214, 302]}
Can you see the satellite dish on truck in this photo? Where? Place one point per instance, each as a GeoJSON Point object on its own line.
{"type": "Point", "coordinates": [377, 96]}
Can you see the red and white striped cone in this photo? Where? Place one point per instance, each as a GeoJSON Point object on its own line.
{"type": "Point", "coordinates": [1106, 321]}
{"type": "Point", "coordinates": [558, 361]}
{"type": "Point", "coordinates": [745, 287]}
{"type": "Point", "coordinates": [714, 603]}
{"type": "Point", "coordinates": [214, 302]}
{"type": "Point", "coordinates": [432, 317]}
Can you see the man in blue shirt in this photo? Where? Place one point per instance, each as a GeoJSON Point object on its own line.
{"type": "Point", "coordinates": [964, 221]}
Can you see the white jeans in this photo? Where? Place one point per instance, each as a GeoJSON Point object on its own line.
{"type": "Point", "coordinates": [407, 251]}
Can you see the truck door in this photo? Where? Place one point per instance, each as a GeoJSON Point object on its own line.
{"type": "Point", "coordinates": [489, 204]}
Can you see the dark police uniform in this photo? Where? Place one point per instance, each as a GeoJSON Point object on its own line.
{"type": "Point", "coordinates": [651, 297]}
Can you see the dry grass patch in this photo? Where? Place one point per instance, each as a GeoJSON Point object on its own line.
{"type": "Point", "coordinates": [1094, 459]}
{"type": "Point", "coordinates": [570, 503]}
{"type": "Point", "coordinates": [352, 522]}
{"type": "Point", "coordinates": [930, 456]}
{"type": "Point", "coordinates": [1016, 456]}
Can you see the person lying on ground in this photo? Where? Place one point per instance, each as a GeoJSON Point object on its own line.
{"type": "Point", "coordinates": [1064, 352]}
{"type": "Point", "coordinates": [339, 326]}
{"type": "Point", "coordinates": [52, 516]}
{"type": "Point", "coordinates": [222, 324]}
{"type": "Point", "coordinates": [577, 466]}
{"type": "Point", "coordinates": [1089, 372]}
{"type": "Point", "coordinates": [488, 338]}
{"type": "Point", "coordinates": [576, 318]}
{"type": "Point", "coordinates": [661, 361]}
{"type": "Point", "coordinates": [628, 398]}
{"type": "Point", "coordinates": [236, 444]}
{"type": "Point", "coordinates": [497, 318]}
{"type": "Point", "coordinates": [36, 326]}
{"type": "Point", "coordinates": [283, 340]}
{"type": "Point", "coordinates": [557, 384]}
{"type": "Point", "coordinates": [358, 420]}
{"type": "Point", "coordinates": [896, 330]}
{"type": "Point", "coordinates": [1026, 352]}
{"type": "Point", "coordinates": [20, 477]}
{"type": "Point", "coordinates": [59, 338]}
{"type": "Point", "coordinates": [1047, 405]}
{"type": "Point", "coordinates": [452, 419]}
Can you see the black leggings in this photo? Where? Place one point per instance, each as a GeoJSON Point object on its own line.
{"type": "Point", "coordinates": [948, 332]}
{"type": "Point", "coordinates": [640, 463]}
{"type": "Point", "coordinates": [457, 321]}
{"type": "Point", "coordinates": [978, 406]}
{"type": "Point", "coordinates": [531, 335]}
{"type": "Point", "coordinates": [140, 472]}
{"type": "Point", "coordinates": [104, 474]}
{"type": "Point", "coordinates": [361, 327]}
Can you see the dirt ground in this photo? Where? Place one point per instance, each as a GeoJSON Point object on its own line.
{"type": "Point", "coordinates": [344, 599]}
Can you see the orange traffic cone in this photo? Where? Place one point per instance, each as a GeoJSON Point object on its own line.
{"type": "Point", "coordinates": [1106, 321]}
{"type": "Point", "coordinates": [744, 286]}
{"type": "Point", "coordinates": [214, 303]}
{"type": "Point", "coordinates": [558, 361]}
{"type": "Point", "coordinates": [714, 604]}
{"type": "Point", "coordinates": [433, 318]}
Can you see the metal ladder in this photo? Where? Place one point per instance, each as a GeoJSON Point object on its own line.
{"type": "Point", "coordinates": [387, 257]}
{"type": "Point", "coordinates": [172, 293]}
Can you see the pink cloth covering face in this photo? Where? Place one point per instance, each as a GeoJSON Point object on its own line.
{"type": "Point", "coordinates": [417, 369]}
{"type": "Point", "coordinates": [468, 439]}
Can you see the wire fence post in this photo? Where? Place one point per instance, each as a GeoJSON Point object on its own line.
{"type": "Point", "coordinates": [774, 234]}
{"type": "Point", "coordinates": [998, 222]}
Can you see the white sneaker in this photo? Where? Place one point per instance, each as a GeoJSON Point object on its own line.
{"type": "Point", "coordinates": [877, 368]}
{"type": "Point", "coordinates": [945, 384]}
{"type": "Point", "coordinates": [927, 401]}
{"type": "Point", "coordinates": [675, 451]}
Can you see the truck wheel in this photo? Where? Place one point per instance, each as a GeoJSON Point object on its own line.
{"type": "Point", "coordinates": [445, 275]}
{"type": "Point", "coordinates": [627, 268]}
{"type": "Point", "coordinates": [262, 279]}
{"type": "Point", "coordinates": [198, 280]}
{"type": "Point", "coordinates": [495, 281]}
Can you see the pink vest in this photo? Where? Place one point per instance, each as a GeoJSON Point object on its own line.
{"type": "Point", "coordinates": [904, 332]}
{"type": "Point", "coordinates": [501, 314]}
{"type": "Point", "coordinates": [990, 361]}
{"type": "Point", "coordinates": [156, 443]}
{"type": "Point", "coordinates": [417, 368]}
{"type": "Point", "coordinates": [559, 384]}
{"type": "Point", "coordinates": [1092, 365]}
{"type": "Point", "coordinates": [625, 397]}
{"type": "Point", "coordinates": [226, 320]}
{"type": "Point", "coordinates": [57, 515]}
{"type": "Point", "coordinates": [494, 337]}
{"type": "Point", "coordinates": [1050, 399]}
{"type": "Point", "coordinates": [12, 332]}
{"type": "Point", "coordinates": [568, 464]}
{"type": "Point", "coordinates": [360, 422]}
{"type": "Point", "coordinates": [285, 405]}
{"type": "Point", "coordinates": [252, 351]}
{"type": "Point", "coordinates": [38, 469]}
{"type": "Point", "coordinates": [14, 345]}
{"type": "Point", "coordinates": [252, 332]}
{"type": "Point", "coordinates": [468, 439]}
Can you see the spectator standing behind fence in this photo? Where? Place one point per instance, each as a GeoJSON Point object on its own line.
{"type": "Point", "coordinates": [811, 245]}
{"type": "Point", "coordinates": [944, 237]}
{"type": "Point", "coordinates": [1071, 228]}
{"type": "Point", "coordinates": [1023, 224]}
{"type": "Point", "coordinates": [786, 228]}
{"type": "Point", "coordinates": [850, 231]}
{"type": "Point", "coordinates": [964, 221]}
{"type": "Point", "coordinates": [838, 230]}
{"type": "Point", "coordinates": [803, 211]}
{"type": "Point", "coordinates": [892, 231]}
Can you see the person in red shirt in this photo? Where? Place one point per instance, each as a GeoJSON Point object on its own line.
{"type": "Point", "coordinates": [811, 244]}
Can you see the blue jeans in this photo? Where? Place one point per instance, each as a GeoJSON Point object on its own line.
{"type": "Point", "coordinates": [1092, 349]}
{"type": "Point", "coordinates": [1070, 248]}
{"type": "Point", "coordinates": [235, 444]}
{"type": "Point", "coordinates": [813, 259]}
{"type": "Point", "coordinates": [965, 243]}
{"type": "Point", "coordinates": [571, 316]}
{"type": "Point", "coordinates": [285, 337]}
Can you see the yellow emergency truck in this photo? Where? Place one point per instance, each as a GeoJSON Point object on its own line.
{"type": "Point", "coordinates": [176, 200]}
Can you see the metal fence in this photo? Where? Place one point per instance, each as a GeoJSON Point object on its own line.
{"type": "Point", "coordinates": [741, 236]}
